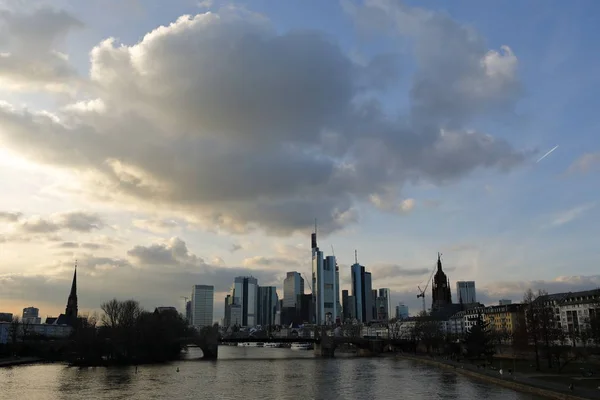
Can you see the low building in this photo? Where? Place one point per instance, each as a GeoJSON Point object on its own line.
{"type": "Point", "coordinates": [31, 315]}
{"type": "Point", "coordinates": [5, 317]}
{"type": "Point", "coordinates": [576, 309]}
{"type": "Point", "coordinates": [505, 318]}
{"type": "Point", "coordinates": [46, 330]}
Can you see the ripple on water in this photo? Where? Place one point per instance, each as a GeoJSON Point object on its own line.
{"type": "Point", "coordinates": [247, 373]}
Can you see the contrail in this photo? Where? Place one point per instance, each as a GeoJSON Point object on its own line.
{"type": "Point", "coordinates": [547, 154]}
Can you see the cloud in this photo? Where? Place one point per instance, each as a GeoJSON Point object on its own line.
{"type": "Point", "coordinates": [25, 229]}
{"type": "Point", "coordinates": [156, 226]}
{"type": "Point", "coordinates": [235, 247]}
{"type": "Point", "coordinates": [235, 126]}
{"type": "Point", "coordinates": [384, 271]}
{"type": "Point", "coordinates": [155, 274]}
{"type": "Point", "coordinates": [281, 263]}
{"type": "Point", "coordinates": [490, 294]}
{"type": "Point", "coordinates": [68, 245]}
{"type": "Point", "coordinates": [76, 221]}
{"type": "Point", "coordinates": [172, 252]}
{"type": "Point", "coordinates": [515, 289]}
{"type": "Point", "coordinates": [390, 204]}
{"type": "Point", "coordinates": [85, 246]}
{"type": "Point", "coordinates": [585, 163]}
{"type": "Point", "coordinates": [29, 56]}
{"type": "Point", "coordinates": [571, 214]}
{"type": "Point", "coordinates": [10, 216]}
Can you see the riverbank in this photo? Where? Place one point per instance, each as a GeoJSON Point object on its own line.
{"type": "Point", "coordinates": [516, 381]}
{"type": "Point", "coordinates": [9, 362]}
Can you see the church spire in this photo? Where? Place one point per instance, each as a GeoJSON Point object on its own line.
{"type": "Point", "coordinates": [71, 310]}
{"type": "Point", "coordinates": [74, 284]}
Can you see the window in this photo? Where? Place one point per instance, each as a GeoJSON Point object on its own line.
{"type": "Point", "coordinates": [328, 305]}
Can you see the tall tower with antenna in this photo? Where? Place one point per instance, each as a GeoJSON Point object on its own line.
{"type": "Point", "coordinates": [325, 285]}
{"type": "Point", "coordinates": [362, 291]}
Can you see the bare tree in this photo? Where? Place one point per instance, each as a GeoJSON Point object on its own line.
{"type": "Point", "coordinates": [532, 321]}
{"type": "Point", "coordinates": [15, 329]}
{"type": "Point", "coordinates": [593, 322]}
{"type": "Point", "coordinates": [111, 313]}
{"type": "Point", "coordinates": [352, 330]}
{"type": "Point", "coordinates": [26, 329]}
{"type": "Point", "coordinates": [118, 314]}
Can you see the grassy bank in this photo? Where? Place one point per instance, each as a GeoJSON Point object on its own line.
{"type": "Point", "coordinates": [519, 382]}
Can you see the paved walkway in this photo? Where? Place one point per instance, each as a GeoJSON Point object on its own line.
{"type": "Point", "coordinates": [522, 378]}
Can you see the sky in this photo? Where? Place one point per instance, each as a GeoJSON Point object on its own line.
{"type": "Point", "coordinates": [166, 144]}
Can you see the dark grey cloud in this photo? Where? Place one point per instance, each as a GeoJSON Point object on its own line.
{"type": "Point", "coordinates": [95, 246]}
{"type": "Point", "coordinates": [235, 247]}
{"type": "Point", "coordinates": [174, 252]}
{"type": "Point", "coordinates": [30, 43]}
{"type": "Point", "coordinates": [384, 271]}
{"type": "Point", "coordinates": [80, 221]}
{"type": "Point", "coordinates": [76, 221]}
{"type": "Point", "coordinates": [68, 245]}
{"type": "Point", "coordinates": [37, 228]}
{"type": "Point", "coordinates": [238, 127]}
{"type": "Point", "coordinates": [10, 216]}
{"type": "Point", "coordinates": [85, 246]}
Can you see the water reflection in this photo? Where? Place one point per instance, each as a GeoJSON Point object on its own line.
{"type": "Point", "coordinates": [448, 385]}
{"type": "Point", "coordinates": [244, 373]}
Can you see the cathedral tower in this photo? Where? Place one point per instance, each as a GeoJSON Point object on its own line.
{"type": "Point", "coordinates": [441, 294]}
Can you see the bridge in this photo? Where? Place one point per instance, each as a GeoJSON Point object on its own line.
{"type": "Point", "coordinates": [324, 345]}
{"type": "Point", "coordinates": [269, 340]}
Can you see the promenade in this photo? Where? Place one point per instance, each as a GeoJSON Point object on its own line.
{"type": "Point", "coordinates": [523, 382]}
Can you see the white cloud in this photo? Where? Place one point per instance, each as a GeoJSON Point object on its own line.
{"type": "Point", "coordinates": [585, 163]}
{"type": "Point", "coordinates": [567, 216]}
{"type": "Point", "coordinates": [156, 225]}
{"type": "Point", "coordinates": [236, 127]}
{"type": "Point", "coordinates": [29, 56]}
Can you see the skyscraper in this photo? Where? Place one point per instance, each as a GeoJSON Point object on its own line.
{"type": "Point", "coordinates": [245, 293]}
{"type": "Point", "coordinates": [362, 292]}
{"type": "Point", "coordinates": [465, 292]}
{"type": "Point", "coordinates": [267, 305]}
{"type": "Point", "coordinates": [345, 306]}
{"type": "Point", "coordinates": [401, 311]}
{"type": "Point", "coordinates": [202, 305]}
{"type": "Point", "coordinates": [325, 285]}
{"type": "Point", "coordinates": [386, 294]}
{"type": "Point", "coordinates": [31, 316]}
{"type": "Point", "coordinates": [293, 285]}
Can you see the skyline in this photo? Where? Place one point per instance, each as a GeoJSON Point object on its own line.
{"type": "Point", "coordinates": [194, 149]}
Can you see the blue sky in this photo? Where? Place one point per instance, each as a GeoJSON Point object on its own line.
{"type": "Point", "coordinates": [498, 216]}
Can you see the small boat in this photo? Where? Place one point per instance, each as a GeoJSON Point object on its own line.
{"type": "Point", "coordinates": [301, 346]}
{"type": "Point", "coordinates": [272, 345]}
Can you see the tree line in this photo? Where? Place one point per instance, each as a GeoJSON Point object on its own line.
{"type": "Point", "coordinates": [537, 334]}
{"type": "Point", "coordinates": [124, 333]}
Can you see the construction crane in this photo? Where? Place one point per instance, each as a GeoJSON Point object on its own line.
{"type": "Point", "coordinates": [422, 291]}
{"type": "Point", "coordinates": [307, 281]}
{"type": "Point", "coordinates": [185, 304]}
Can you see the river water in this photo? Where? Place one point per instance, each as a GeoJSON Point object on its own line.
{"type": "Point", "coordinates": [249, 373]}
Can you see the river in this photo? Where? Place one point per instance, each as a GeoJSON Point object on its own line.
{"type": "Point", "coordinates": [249, 373]}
